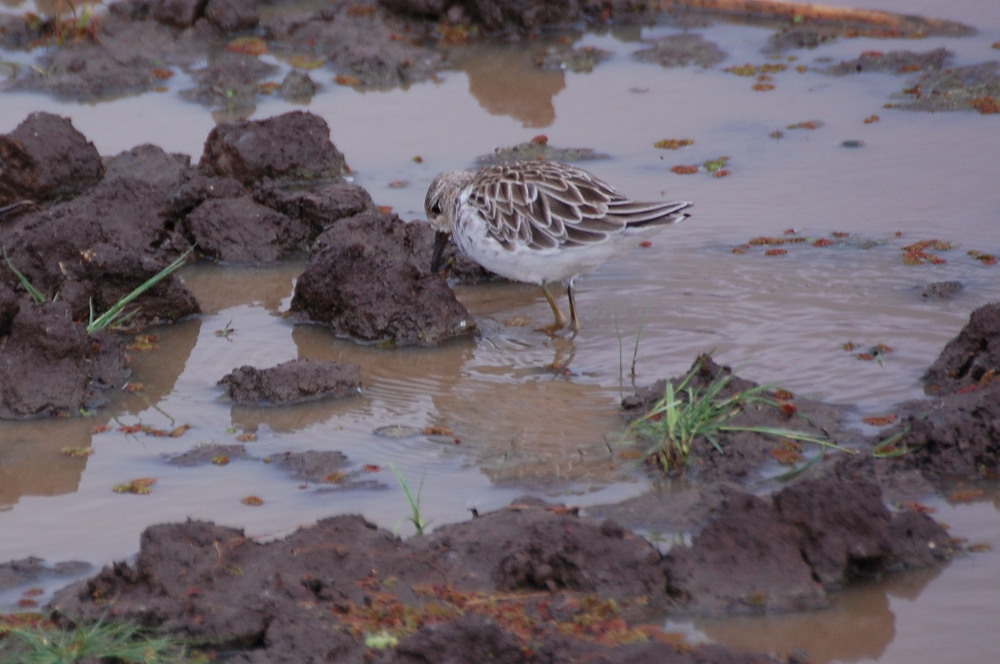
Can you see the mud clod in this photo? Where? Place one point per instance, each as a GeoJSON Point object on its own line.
{"type": "Point", "coordinates": [894, 62]}
{"type": "Point", "coordinates": [239, 230]}
{"type": "Point", "coordinates": [293, 148]}
{"type": "Point", "coordinates": [46, 159]}
{"type": "Point", "coordinates": [970, 359]}
{"type": "Point", "coordinates": [746, 560]}
{"type": "Point", "coordinates": [292, 382]}
{"type": "Point", "coordinates": [844, 528]}
{"type": "Point", "coordinates": [942, 290]}
{"type": "Point", "coordinates": [367, 279]}
{"type": "Point", "coordinates": [320, 206]}
{"type": "Point", "coordinates": [682, 51]}
{"type": "Point", "coordinates": [68, 369]}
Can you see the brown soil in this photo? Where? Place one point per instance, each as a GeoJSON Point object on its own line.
{"type": "Point", "coordinates": [84, 232]}
{"type": "Point", "coordinates": [369, 278]}
{"type": "Point", "coordinates": [294, 381]}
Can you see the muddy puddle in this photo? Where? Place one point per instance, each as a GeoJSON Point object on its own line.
{"type": "Point", "coordinates": [480, 421]}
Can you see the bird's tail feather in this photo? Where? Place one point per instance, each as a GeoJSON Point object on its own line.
{"type": "Point", "coordinates": [638, 214]}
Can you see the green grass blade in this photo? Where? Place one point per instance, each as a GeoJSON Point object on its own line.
{"type": "Point", "coordinates": [99, 641]}
{"type": "Point", "coordinates": [792, 434]}
{"type": "Point", "coordinates": [795, 472]}
{"type": "Point", "coordinates": [886, 449]}
{"type": "Point", "coordinates": [115, 315]}
{"type": "Point", "coordinates": [417, 518]}
{"type": "Point", "coordinates": [37, 295]}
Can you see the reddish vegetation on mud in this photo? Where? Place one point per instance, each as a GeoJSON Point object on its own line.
{"type": "Point", "coordinates": [538, 581]}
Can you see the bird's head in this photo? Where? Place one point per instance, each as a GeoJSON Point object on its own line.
{"type": "Point", "coordinates": [439, 204]}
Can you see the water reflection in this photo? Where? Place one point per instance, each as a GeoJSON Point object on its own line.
{"type": "Point", "coordinates": [863, 610]}
{"type": "Point", "coordinates": [30, 460]}
{"type": "Point", "coordinates": [506, 81]}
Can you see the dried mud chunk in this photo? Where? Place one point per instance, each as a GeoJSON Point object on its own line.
{"type": "Point", "coordinates": [495, 15]}
{"type": "Point", "coordinates": [292, 382]}
{"type": "Point", "coordinates": [746, 560]}
{"type": "Point", "coordinates": [32, 569]}
{"type": "Point", "coordinates": [844, 527]}
{"type": "Point", "coordinates": [362, 280]}
{"type": "Point", "coordinates": [150, 164]}
{"type": "Point", "coordinates": [45, 158]}
{"type": "Point", "coordinates": [971, 358]}
{"type": "Point", "coordinates": [682, 51]}
{"type": "Point", "coordinates": [319, 207]}
{"type": "Point", "coordinates": [123, 58]}
{"type": "Point", "coordinates": [178, 13]}
{"type": "Point", "coordinates": [580, 60]}
{"type": "Point", "coordinates": [365, 47]}
{"type": "Point", "coordinates": [942, 290]}
{"type": "Point", "coordinates": [897, 62]}
{"type": "Point", "coordinates": [542, 546]}
{"type": "Point", "coordinates": [294, 147]}
{"type": "Point", "coordinates": [205, 453]}
{"type": "Point", "coordinates": [50, 365]}
{"type": "Point", "coordinates": [469, 638]}
{"type": "Point", "coordinates": [98, 247]}
{"type": "Point", "coordinates": [239, 230]}
{"type": "Point", "coordinates": [298, 87]}
{"type": "Point", "coordinates": [972, 87]}
{"type": "Point", "coordinates": [230, 81]}
{"type": "Point", "coordinates": [954, 436]}
{"type": "Point", "coordinates": [232, 15]}
{"type": "Point", "coordinates": [313, 465]}
{"type": "Point", "coordinates": [918, 540]}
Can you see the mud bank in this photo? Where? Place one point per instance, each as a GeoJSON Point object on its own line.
{"type": "Point", "coordinates": [382, 44]}
{"type": "Point", "coordinates": [538, 582]}
{"type": "Point", "coordinates": [80, 233]}
{"type": "Point", "coordinates": [533, 582]}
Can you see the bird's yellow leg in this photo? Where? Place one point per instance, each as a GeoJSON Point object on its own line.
{"type": "Point", "coordinates": [574, 324]}
{"type": "Point", "coordinates": [560, 318]}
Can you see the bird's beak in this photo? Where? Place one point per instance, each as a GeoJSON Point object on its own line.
{"type": "Point", "coordinates": [440, 241]}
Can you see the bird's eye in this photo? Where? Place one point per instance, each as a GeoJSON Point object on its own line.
{"type": "Point", "coordinates": [436, 208]}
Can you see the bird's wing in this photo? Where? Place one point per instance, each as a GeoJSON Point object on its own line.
{"type": "Point", "coordinates": [544, 205]}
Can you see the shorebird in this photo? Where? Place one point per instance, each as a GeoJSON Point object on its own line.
{"type": "Point", "coordinates": [539, 222]}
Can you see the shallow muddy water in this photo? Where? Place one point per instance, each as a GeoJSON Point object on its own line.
{"type": "Point", "coordinates": [518, 426]}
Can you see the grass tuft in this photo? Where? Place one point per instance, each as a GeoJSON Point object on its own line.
{"type": "Point", "coordinates": [116, 316]}
{"type": "Point", "coordinates": [123, 643]}
{"type": "Point", "coordinates": [416, 517]}
{"type": "Point", "coordinates": [686, 414]}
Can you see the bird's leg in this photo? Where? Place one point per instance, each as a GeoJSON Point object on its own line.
{"type": "Point", "coordinates": [560, 319]}
{"type": "Point", "coordinates": [574, 324]}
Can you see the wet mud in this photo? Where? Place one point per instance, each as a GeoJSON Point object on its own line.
{"type": "Point", "coordinates": [382, 44]}
{"type": "Point", "coordinates": [541, 582]}
{"type": "Point", "coordinates": [81, 233]}
{"type": "Point", "coordinates": [294, 381]}
{"type": "Point", "coordinates": [534, 582]}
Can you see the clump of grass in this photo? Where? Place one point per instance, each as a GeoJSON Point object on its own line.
{"type": "Point", "coordinates": [416, 516]}
{"type": "Point", "coordinates": [101, 641]}
{"type": "Point", "coordinates": [685, 414]}
{"type": "Point", "coordinates": [116, 316]}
